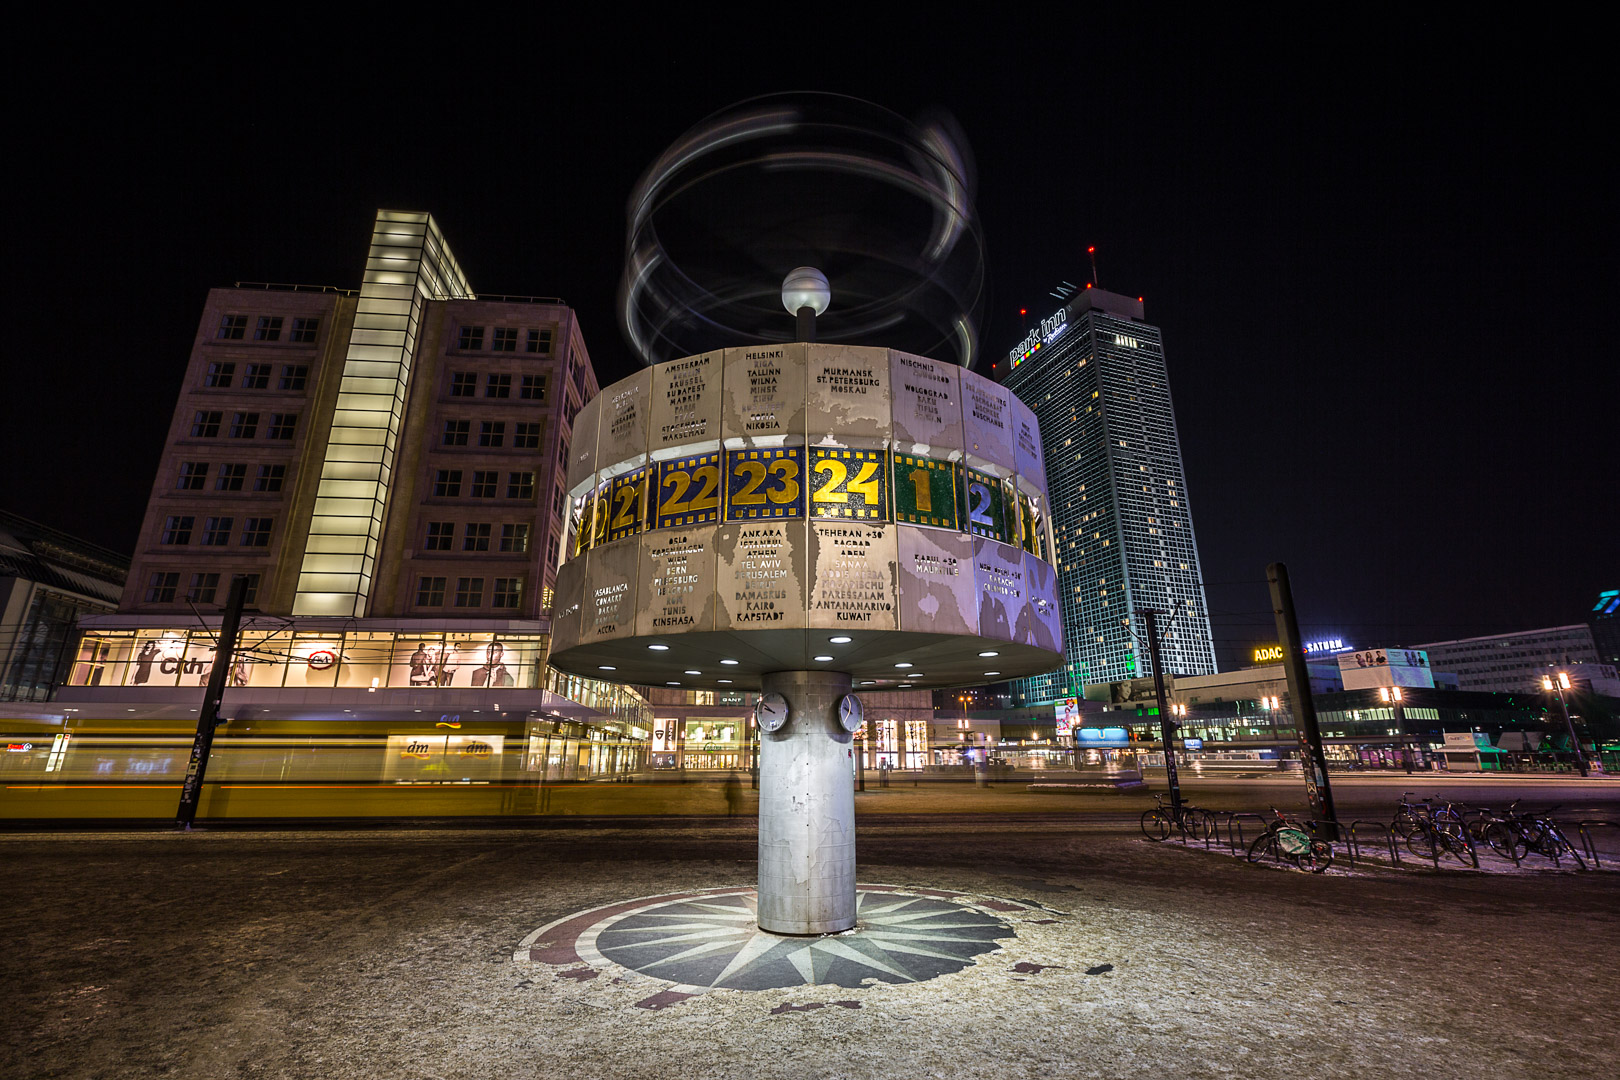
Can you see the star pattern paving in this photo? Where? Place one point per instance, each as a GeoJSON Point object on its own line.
{"type": "Point", "coordinates": [712, 942]}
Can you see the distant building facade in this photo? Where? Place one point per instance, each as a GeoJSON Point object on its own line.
{"type": "Point", "coordinates": [1515, 663]}
{"type": "Point", "coordinates": [1095, 374]}
{"type": "Point", "coordinates": [48, 579]}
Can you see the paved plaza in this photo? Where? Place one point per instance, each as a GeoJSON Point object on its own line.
{"type": "Point", "coordinates": [1037, 945]}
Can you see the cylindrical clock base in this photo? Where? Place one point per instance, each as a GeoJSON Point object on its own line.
{"type": "Point", "coordinates": [807, 809]}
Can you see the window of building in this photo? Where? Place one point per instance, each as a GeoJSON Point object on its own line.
{"type": "Point", "coordinates": [526, 436]}
{"type": "Point", "coordinates": [294, 376]}
{"type": "Point", "coordinates": [551, 553]}
{"type": "Point", "coordinates": [268, 329]}
{"type": "Point", "coordinates": [233, 327]}
{"type": "Point", "coordinates": [202, 589]}
{"type": "Point", "coordinates": [270, 478]}
{"type": "Point", "coordinates": [515, 537]}
{"type": "Point", "coordinates": [192, 475]}
{"type": "Point", "coordinates": [505, 339]}
{"type": "Point", "coordinates": [539, 341]}
{"type": "Point", "coordinates": [439, 535]}
{"type": "Point", "coordinates": [430, 592]}
{"type": "Point", "coordinates": [256, 532]}
{"type": "Point", "coordinates": [469, 592]}
{"type": "Point", "coordinates": [205, 425]}
{"type": "Point", "coordinates": [160, 588]}
{"type": "Point", "coordinates": [520, 485]}
{"type": "Point", "coordinates": [463, 383]}
{"type": "Point", "coordinates": [498, 386]}
{"type": "Point", "coordinates": [492, 433]}
{"type": "Point", "coordinates": [558, 498]}
{"type": "Point", "coordinates": [250, 592]}
{"type": "Point", "coordinates": [476, 536]}
{"type": "Point", "coordinates": [282, 425]}
{"type": "Point", "coordinates": [230, 478]}
{"type": "Point", "coordinates": [507, 592]}
{"type": "Point", "coordinates": [216, 531]}
{"type": "Point", "coordinates": [533, 388]}
{"type": "Point", "coordinates": [257, 377]}
{"type": "Point", "coordinates": [219, 375]}
{"type": "Point", "coordinates": [304, 330]}
{"type": "Point", "coordinates": [456, 431]}
{"type": "Point", "coordinates": [472, 337]}
{"type": "Point", "coordinates": [176, 530]}
{"type": "Point", "coordinates": [483, 484]}
{"type": "Point", "coordinates": [447, 484]}
{"type": "Point", "coordinates": [244, 425]}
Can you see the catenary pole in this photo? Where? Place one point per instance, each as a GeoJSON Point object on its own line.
{"type": "Point", "coordinates": [1312, 759]}
{"type": "Point", "coordinates": [208, 719]}
{"type": "Point", "coordinates": [1167, 726]}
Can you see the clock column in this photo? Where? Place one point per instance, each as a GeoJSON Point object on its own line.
{"type": "Point", "coordinates": [807, 802]}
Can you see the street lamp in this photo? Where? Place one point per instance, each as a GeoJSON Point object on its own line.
{"type": "Point", "coordinates": [1392, 695]}
{"type": "Point", "coordinates": [1559, 681]}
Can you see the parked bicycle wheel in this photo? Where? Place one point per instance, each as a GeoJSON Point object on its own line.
{"type": "Point", "coordinates": [1405, 824]}
{"type": "Point", "coordinates": [1506, 840]}
{"type": "Point", "coordinates": [1156, 825]}
{"type": "Point", "coordinates": [1563, 848]}
{"type": "Point", "coordinates": [1422, 843]}
{"type": "Point", "coordinates": [1261, 847]}
{"type": "Point", "coordinates": [1317, 858]}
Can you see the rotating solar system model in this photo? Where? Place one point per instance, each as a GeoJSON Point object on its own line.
{"type": "Point", "coordinates": [806, 519]}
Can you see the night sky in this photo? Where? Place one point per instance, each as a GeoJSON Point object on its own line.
{"type": "Point", "coordinates": [1382, 252]}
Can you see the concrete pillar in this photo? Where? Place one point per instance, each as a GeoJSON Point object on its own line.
{"type": "Point", "coordinates": [807, 809]}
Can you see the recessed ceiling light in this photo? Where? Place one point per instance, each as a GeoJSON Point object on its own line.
{"type": "Point", "coordinates": [840, 640]}
{"type": "Point", "coordinates": [991, 653]}
{"type": "Point", "coordinates": [822, 659]}
{"type": "Point", "coordinates": [607, 667]}
{"type": "Point", "coordinates": [731, 661]}
{"type": "Point", "coordinates": [672, 684]}
{"type": "Point", "coordinates": [992, 673]}
{"type": "Point", "coordinates": [659, 648]}
{"type": "Point", "coordinates": [727, 681]}
{"type": "Point", "coordinates": [689, 671]}
{"type": "Point", "coordinates": [902, 664]}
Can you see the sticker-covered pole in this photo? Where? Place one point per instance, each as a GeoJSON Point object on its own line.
{"type": "Point", "coordinates": [208, 719]}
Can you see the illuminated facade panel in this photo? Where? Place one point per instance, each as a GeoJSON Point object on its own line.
{"type": "Point", "coordinates": [409, 264]}
{"type": "Point", "coordinates": [1095, 375]}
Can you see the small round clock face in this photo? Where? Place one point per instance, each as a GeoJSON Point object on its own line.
{"type": "Point", "coordinates": [849, 712]}
{"type": "Point", "coordinates": [771, 712]}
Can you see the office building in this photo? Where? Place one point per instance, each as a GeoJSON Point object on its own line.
{"type": "Point", "coordinates": [1095, 374]}
{"type": "Point", "coordinates": [1604, 622]}
{"type": "Point", "coordinates": [1515, 662]}
{"type": "Point", "coordinates": [385, 467]}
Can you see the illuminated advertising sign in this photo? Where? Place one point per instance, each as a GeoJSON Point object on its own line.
{"type": "Point", "coordinates": [1051, 328]}
{"type": "Point", "coordinates": [1068, 716]}
{"type": "Point", "coordinates": [1107, 737]}
{"type": "Point", "coordinates": [1273, 654]}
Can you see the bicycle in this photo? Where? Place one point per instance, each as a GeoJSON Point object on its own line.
{"type": "Point", "coordinates": [1285, 839]}
{"type": "Point", "coordinates": [1193, 822]}
{"type": "Point", "coordinates": [1515, 835]}
{"type": "Point", "coordinates": [1442, 830]}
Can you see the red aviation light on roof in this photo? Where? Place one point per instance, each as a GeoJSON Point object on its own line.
{"type": "Point", "coordinates": [1088, 284]}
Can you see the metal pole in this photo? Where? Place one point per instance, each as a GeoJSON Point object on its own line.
{"type": "Point", "coordinates": [805, 326]}
{"type": "Point", "coordinates": [1299, 693]}
{"type": "Point", "coordinates": [208, 719]}
{"type": "Point", "coordinates": [1574, 741]}
{"type": "Point", "coordinates": [1167, 726]}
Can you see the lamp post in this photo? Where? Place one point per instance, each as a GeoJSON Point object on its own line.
{"type": "Point", "coordinates": [1559, 682]}
{"type": "Point", "coordinates": [1391, 695]}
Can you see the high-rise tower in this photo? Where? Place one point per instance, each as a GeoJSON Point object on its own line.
{"type": "Point", "coordinates": [1094, 373]}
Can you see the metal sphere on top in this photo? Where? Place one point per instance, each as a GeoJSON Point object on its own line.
{"type": "Point", "coordinates": [806, 287]}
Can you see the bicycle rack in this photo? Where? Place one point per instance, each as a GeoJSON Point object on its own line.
{"type": "Point", "coordinates": [1582, 830]}
{"type": "Point", "coordinates": [1234, 822]}
{"type": "Point", "coordinates": [1352, 840]}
